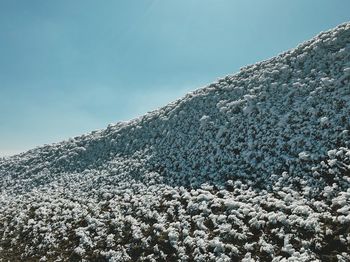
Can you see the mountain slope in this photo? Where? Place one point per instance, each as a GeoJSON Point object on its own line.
{"type": "Point", "coordinates": [254, 166]}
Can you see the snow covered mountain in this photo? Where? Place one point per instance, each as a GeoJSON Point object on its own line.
{"type": "Point", "coordinates": [254, 167]}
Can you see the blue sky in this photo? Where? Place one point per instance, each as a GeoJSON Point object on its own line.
{"type": "Point", "coordinates": [72, 66]}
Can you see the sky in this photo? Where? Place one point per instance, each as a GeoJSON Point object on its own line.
{"type": "Point", "coordinates": [72, 66]}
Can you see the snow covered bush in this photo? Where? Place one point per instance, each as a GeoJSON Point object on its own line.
{"type": "Point", "coordinates": [254, 167]}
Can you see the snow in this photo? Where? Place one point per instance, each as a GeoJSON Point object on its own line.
{"type": "Point", "coordinates": [253, 167]}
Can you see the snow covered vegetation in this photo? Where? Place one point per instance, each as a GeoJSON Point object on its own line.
{"type": "Point", "coordinates": [254, 167]}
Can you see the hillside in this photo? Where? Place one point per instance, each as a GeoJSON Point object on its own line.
{"type": "Point", "coordinates": [254, 167]}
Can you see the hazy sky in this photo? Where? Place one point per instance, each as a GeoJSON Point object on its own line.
{"type": "Point", "coordinates": [68, 67]}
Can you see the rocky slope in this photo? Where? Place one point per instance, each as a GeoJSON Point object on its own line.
{"type": "Point", "coordinates": [254, 167]}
